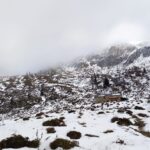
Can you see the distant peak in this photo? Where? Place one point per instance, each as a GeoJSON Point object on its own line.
{"type": "Point", "coordinates": [120, 49]}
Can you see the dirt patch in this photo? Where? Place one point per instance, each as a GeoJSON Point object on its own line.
{"type": "Point", "coordinates": [63, 143]}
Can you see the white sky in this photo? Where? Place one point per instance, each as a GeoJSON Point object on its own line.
{"type": "Point", "coordinates": [35, 34]}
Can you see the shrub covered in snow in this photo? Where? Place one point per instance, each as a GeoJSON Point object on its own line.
{"type": "Point", "coordinates": [62, 143]}
{"type": "Point", "coordinates": [54, 122]}
{"type": "Point", "coordinates": [18, 141]}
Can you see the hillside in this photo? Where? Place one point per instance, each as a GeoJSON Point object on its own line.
{"type": "Point", "coordinates": [105, 97]}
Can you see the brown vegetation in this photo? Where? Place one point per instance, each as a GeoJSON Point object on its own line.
{"type": "Point", "coordinates": [54, 122]}
{"type": "Point", "coordinates": [50, 130]}
{"type": "Point", "coordinates": [62, 143]}
{"type": "Point", "coordinates": [17, 141]}
{"type": "Point", "coordinates": [74, 135]}
{"type": "Point", "coordinates": [122, 121]}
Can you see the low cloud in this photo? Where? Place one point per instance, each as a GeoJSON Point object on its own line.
{"type": "Point", "coordinates": [36, 34]}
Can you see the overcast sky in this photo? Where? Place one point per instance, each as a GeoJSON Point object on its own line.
{"type": "Point", "coordinates": [35, 34]}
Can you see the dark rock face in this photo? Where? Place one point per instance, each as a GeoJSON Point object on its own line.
{"type": "Point", "coordinates": [113, 56]}
{"type": "Point", "coordinates": [117, 55]}
{"type": "Point", "coordinates": [145, 52]}
{"type": "Point", "coordinates": [110, 61]}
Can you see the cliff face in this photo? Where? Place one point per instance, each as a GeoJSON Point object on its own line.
{"type": "Point", "coordinates": [120, 55]}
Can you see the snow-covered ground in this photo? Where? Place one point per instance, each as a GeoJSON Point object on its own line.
{"type": "Point", "coordinates": [90, 122]}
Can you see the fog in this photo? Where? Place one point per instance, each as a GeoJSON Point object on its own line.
{"type": "Point", "coordinates": [36, 34]}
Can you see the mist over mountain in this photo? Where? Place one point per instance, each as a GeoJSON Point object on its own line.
{"type": "Point", "coordinates": [39, 34]}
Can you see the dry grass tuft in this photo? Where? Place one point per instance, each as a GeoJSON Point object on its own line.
{"type": "Point", "coordinates": [74, 135]}
{"type": "Point", "coordinates": [54, 122]}
{"type": "Point", "coordinates": [122, 121]}
{"type": "Point", "coordinates": [62, 143]}
{"type": "Point", "coordinates": [17, 141]}
{"type": "Point", "coordinates": [51, 130]}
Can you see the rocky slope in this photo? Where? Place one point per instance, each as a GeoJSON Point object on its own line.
{"type": "Point", "coordinates": [74, 92]}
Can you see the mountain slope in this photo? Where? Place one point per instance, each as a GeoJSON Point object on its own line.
{"type": "Point", "coordinates": [104, 97]}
